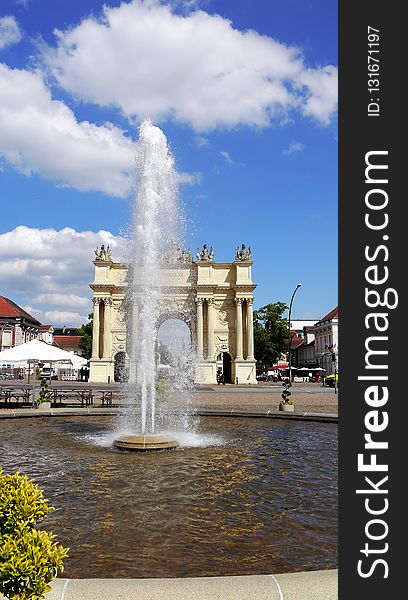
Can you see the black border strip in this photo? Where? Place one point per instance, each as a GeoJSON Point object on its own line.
{"type": "Point", "coordinates": [361, 132]}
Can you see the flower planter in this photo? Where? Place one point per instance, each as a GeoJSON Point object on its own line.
{"type": "Point", "coordinates": [44, 406]}
{"type": "Point", "coordinates": [287, 407]}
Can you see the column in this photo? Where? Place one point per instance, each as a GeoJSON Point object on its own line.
{"type": "Point", "coordinates": [95, 330]}
{"type": "Point", "coordinates": [210, 328]}
{"type": "Point", "coordinates": [107, 328]}
{"type": "Point", "coordinates": [250, 329]}
{"type": "Point", "coordinates": [132, 335]}
{"type": "Point", "coordinates": [133, 331]}
{"type": "Point", "coordinates": [200, 328]}
{"type": "Point", "coordinates": [238, 303]}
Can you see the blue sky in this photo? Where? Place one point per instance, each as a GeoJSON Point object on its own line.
{"type": "Point", "coordinates": [246, 95]}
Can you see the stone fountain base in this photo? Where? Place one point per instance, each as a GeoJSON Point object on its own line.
{"type": "Point", "coordinates": [145, 442]}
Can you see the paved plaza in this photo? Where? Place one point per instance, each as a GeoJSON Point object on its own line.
{"type": "Point", "coordinates": [307, 397]}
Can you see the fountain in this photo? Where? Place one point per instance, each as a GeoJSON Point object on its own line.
{"type": "Point", "coordinates": [156, 225]}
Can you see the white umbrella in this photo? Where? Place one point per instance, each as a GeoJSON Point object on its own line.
{"type": "Point", "coordinates": [304, 369]}
{"type": "Point", "coordinates": [37, 351]}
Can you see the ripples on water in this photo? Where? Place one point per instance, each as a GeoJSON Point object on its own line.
{"type": "Point", "coordinates": [249, 496]}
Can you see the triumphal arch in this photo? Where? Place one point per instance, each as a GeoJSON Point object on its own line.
{"type": "Point", "coordinates": [214, 299]}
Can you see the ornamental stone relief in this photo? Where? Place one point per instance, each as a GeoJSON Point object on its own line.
{"type": "Point", "coordinates": [223, 318]}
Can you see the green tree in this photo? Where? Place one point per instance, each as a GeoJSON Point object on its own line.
{"type": "Point", "coordinates": [86, 342]}
{"type": "Point", "coordinates": [270, 333]}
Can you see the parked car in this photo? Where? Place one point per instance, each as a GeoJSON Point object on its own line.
{"type": "Point", "coordinates": [48, 373]}
{"type": "Point", "coordinates": [329, 380]}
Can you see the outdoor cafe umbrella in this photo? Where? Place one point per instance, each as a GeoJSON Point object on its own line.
{"type": "Point", "coordinates": [36, 351]}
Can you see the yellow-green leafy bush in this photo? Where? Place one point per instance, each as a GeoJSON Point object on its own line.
{"type": "Point", "coordinates": [29, 559]}
{"type": "Point", "coordinates": [45, 394]}
{"type": "Point", "coordinates": [21, 501]}
{"type": "Point", "coordinates": [162, 390]}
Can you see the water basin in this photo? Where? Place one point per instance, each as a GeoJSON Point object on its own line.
{"type": "Point", "coordinates": [244, 496]}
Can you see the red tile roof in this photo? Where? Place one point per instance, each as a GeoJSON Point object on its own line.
{"type": "Point", "coordinates": [296, 342]}
{"type": "Point", "coordinates": [331, 315]}
{"type": "Point", "coordinates": [8, 308]}
{"type": "Point", "coordinates": [67, 340]}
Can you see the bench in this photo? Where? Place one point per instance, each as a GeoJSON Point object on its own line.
{"type": "Point", "coordinates": [72, 396]}
{"type": "Point", "coordinates": [15, 395]}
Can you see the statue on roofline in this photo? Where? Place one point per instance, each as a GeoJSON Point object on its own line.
{"type": "Point", "coordinates": [175, 255]}
{"type": "Point", "coordinates": [242, 253]}
{"type": "Point", "coordinates": [103, 253]}
{"type": "Point", "coordinates": [205, 254]}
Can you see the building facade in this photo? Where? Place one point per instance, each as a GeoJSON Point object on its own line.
{"type": "Point", "coordinates": [215, 300]}
{"type": "Point", "coordinates": [305, 353]}
{"type": "Point", "coordinates": [16, 325]}
{"type": "Point", "coordinates": [68, 339]}
{"type": "Point", "coordinates": [327, 341]}
{"type": "Point", "coordinates": [46, 334]}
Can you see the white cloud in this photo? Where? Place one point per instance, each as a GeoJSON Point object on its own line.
{"type": "Point", "coordinates": [9, 31]}
{"type": "Point", "coordinates": [201, 141]}
{"type": "Point", "coordinates": [321, 86]}
{"type": "Point", "coordinates": [293, 147]}
{"type": "Point", "coordinates": [62, 300]}
{"type": "Point", "coordinates": [229, 160]}
{"type": "Point", "coordinates": [190, 178]}
{"type": "Point", "coordinates": [41, 135]}
{"type": "Point", "coordinates": [194, 68]}
{"type": "Point", "coordinates": [58, 317]}
{"type": "Point", "coordinates": [50, 271]}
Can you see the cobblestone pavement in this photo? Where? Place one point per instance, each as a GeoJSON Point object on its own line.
{"type": "Point", "coordinates": [321, 401]}
{"type": "Point", "coordinates": [307, 397]}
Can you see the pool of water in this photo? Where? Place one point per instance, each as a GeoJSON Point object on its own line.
{"type": "Point", "coordinates": [246, 496]}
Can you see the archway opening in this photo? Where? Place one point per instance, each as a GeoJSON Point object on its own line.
{"type": "Point", "coordinates": [120, 373]}
{"type": "Point", "coordinates": [224, 365]}
{"type": "Point", "coordinates": [174, 352]}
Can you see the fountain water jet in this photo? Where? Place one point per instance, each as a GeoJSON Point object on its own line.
{"type": "Point", "coordinates": [155, 226]}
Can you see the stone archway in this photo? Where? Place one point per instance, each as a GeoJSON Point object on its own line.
{"type": "Point", "coordinates": [214, 299]}
{"type": "Point", "coordinates": [175, 334]}
{"type": "Point", "coordinates": [120, 373]}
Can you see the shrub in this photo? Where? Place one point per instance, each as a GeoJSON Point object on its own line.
{"type": "Point", "coordinates": [29, 559]}
{"type": "Point", "coordinates": [286, 394]}
{"type": "Point", "coordinates": [45, 394]}
{"type": "Point", "coordinates": [162, 390]}
{"type": "Point", "coordinates": [21, 501]}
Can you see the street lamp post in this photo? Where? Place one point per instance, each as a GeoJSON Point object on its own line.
{"type": "Point", "coordinates": [290, 338]}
